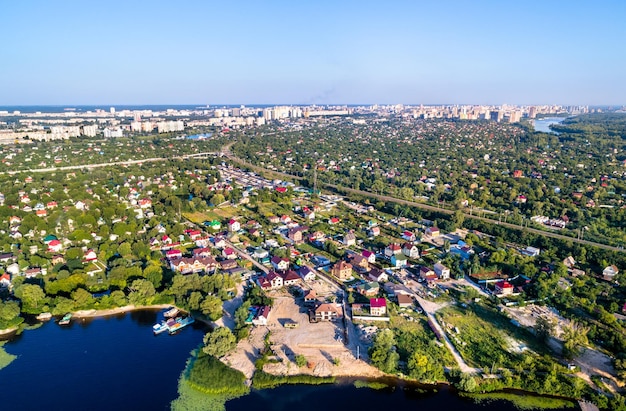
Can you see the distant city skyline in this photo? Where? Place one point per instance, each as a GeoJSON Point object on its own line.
{"type": "Point", "coordinates": [354, 52]}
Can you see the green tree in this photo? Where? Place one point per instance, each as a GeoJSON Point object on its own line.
{"type": "Point", "coordinates": [300, 360]}
{"type": "Point", "coordinates": [467, 383]}
{"type": "Point", "coordinates": [32, 296]}
{"type": "Point", "coordinates": [574, 338]}
{"type": "Point", "coordinates": [383, 352]}
{"type": "Point", "coordinates": [219, 342]}
{"type": "Point", "coordinates": [211, 306]}
{"type": "Point", "coordinates": [544, 328]}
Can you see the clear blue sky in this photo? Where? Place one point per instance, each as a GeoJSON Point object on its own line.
{"type": "Point", "coordinates": [300, 52]}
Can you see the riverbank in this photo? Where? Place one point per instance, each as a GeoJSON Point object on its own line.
{"type": "Point", "coordinates": [119, 310]}
{"type": "Point", "coordinates": [8, 332]}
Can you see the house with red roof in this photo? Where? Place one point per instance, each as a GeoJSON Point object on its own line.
{"type": "Point", "coordinates": [503, 288]}
{"type": "Point", "coordinates": [55, 246]}
{"type": "Point", "coordinates": [201, 252]}
{"type": "Point", "coordinates": [90, 255]}
{"type": "Point", "coordinates": [370, 255]}
{"type": "Point", "coordinates": [408, 236]}
{"type": "Point", "coordinates": [280, 263]}
{"type": "Point", "coordinates": [378, 307]}
{"type": "Point", "coordinates": [410, 250]}
{"type": "Point", "coordinates": [270, 280]}
{"type": "Point", "coordinates": [173, 254]}
{"type": "Point", "coordinates": [290, 277]}
{"type": "Point", "coordinates": [5, 280]}
{"type": "Point", "coordinates": [333, 220]}
{"type": "Point", "coordinates": [229, 253]}
{"type": "Point", "coordinates": [393, 249]}
{"type": "Point", "coordinates": [233, 225]}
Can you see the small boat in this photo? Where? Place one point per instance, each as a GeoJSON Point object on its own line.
{"type": "Point", "coordinates": [66, 319]}
{"type": "Point", "coordinates": [171, 313]}
{"type": "Point", "coordinates": [159, 327]}
{"type": "Point", "coordinates": [180, 323]}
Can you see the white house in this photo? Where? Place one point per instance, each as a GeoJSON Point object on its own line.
{"type": "Point", "coordinates": [410, 250]}
{"type": "Point", "coordinates": [442, 271]}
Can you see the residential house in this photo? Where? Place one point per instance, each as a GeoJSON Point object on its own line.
{"type": "Point", "coordinates": [326, 312]}
{"type": "Point", "coordinates": [229, 253]}
{"type": "Point", "coordinates": [270, 280]}
{"type": "Point", "coordinates": [295, 235]}
{"type": "Point", "coordinates": [188, 265]}
{"type": "Point", "coordinates": [310, 297]}
{"type": "Point", "coordinates": [368, 289]}
{"type": "Point", "coordinates": [5, 280]}
{"type": "Point", "coordinates": [201, 252]}
{"type": "Point", "coordinates": [427, 274]}
{"type": "Point", "coordinates": [194, 234]}
{"type": "Point", "coordinates": [610, 272]}
{"type": "Point", "coordinates": [285, 219]}
{"type": "Point", "coordinates": [214, 224]}
{"type": "Point", "coordinates": [433, 232]}
{"type": "Point", "coordinates": [398, 260]}
{"type": "Point", "coordinates": [33, 272]}
{"type": "Point", "coordinates": [465, 252]}
{"type": "Point", "coordinates": [404, 301]}
{"type": "Point", "coordinates": [306, 273]}
{"type": "Point", "coordinates": [290, 277]}
{"type": "Point", "coordinates": [408, 236]}
{"type": "Point", "coordinates": [569, 262]}
{"type": "Point", "coordinates": [503, 288]}
{"type": "Point", "coordinates": [173, 254]}
{"type": "Point", "coordinates": [262, 315]}
{"type": "Point", "coordinates": [373, 231]}
{"type": "Point", "coordinates": [531, 251]}
{"type": "Point", "coordinates": [13, 269]}
{"type": "Point", "coordinates": [349, 239]}
{"type": "Point", "coordinates": [58, 259]}
{"type": "Point", "coordinates": [54, 246]}
{"type": "Point", "coordinates": [227, 264]}
{"type": "Point", "coordinates": [233, 225]}
{"type": "Point", "coordinates": [378, 275]}
{"type": "Point", "coordinates": [359, 263]}
{"type": "Point", "coordinates": [280, 263]}
{"type": "Point", "coordinates": [442, 271]}
{"type": "Point", "coordinates": [274, 219]}
{"type": "Point", "coordinates": [393, 249]}
{"type": "Point", "coordinates": [342, 270]}
{"type": "Point", "coordinates": [410, 250]}
{"type": "Point", "coordinates": [260, 253]}
{"type": "Point", "coordinates": [370, 255]}
{"type": "Point", "coordinates": [219, 242]}
{"type": "Point", "coordinates": [333, 220]}
{"type": "Point", "coordinates": [90, 255]}
{"type": "Point", "coordinates": [6, 257]}
{"type": "Point", "coordinates": [378, 307]}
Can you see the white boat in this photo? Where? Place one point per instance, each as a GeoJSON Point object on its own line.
{"type": "Point", "coordinates": [160, 327]}
{"type": "Point", "coordinates": [171, 313]}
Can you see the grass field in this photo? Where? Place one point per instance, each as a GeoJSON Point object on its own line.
{"type": "Point", "coordinates": [486, 337]}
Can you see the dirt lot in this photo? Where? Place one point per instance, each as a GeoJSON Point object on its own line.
{"type": "Point", "coordinates": [320, 343]}
{"type": "Point", "coordinates": [527, 316]}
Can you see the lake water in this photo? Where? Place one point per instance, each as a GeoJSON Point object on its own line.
{"type": "Point", "coordinates": [116, 363]}
{"type": "Point", "coordinates": [543, 124]}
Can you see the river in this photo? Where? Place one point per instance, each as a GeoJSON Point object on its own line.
{"type": "Point", "coordinates": [115, 363]}
{"type": "Point", "coordinates": [543, 124]}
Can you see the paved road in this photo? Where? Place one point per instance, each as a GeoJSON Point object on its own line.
{"type": "Point", "coordinates": [116, 163]}
{"type": "Point", "coordinates": [228, 154]}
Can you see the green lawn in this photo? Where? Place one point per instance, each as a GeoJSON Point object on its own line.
{"type": "Point", "coordinates": [487, 338]}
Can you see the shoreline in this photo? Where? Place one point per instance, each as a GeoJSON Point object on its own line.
{"type": "Point", "coordinates": [7, 332]}
{"type": "Point", "coordinates": [119, 310]}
